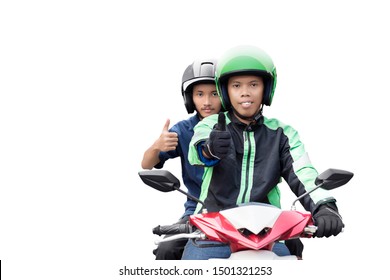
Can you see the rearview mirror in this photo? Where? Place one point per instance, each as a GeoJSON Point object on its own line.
{"type": "Point", "coordinates": [165, 181]}
{"type": "Point", "coordinates": [161, 180]}
{"type": "Point", "coordinates": [333, 178]}
{"type": "Point", "coordinates": [328, 180]}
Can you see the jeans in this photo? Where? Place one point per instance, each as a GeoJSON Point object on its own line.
{"type": "Point", "coordinates": [204, 250]}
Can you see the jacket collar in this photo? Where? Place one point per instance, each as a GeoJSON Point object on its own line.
{"type": "Point", "coordinates": [251, 126]}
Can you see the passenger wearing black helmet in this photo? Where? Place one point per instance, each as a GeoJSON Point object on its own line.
{"type": "Point", "coordinates": [200, 96]}
{"type": "Point", "coordinates": [246, 155]}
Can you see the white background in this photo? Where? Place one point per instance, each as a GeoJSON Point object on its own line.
{"type": "Point", "coordinates": [86, 87]}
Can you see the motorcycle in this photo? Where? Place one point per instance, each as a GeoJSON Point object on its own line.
{"type": "Point", "coordinates": [251, 229]}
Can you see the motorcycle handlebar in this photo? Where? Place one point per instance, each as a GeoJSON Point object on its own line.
{"type": "Point", "coordinates": [310, 229]}
{"type": "Point", "coordinates": [186, 228]}
{"type": "Point", "coordinates": [172, 229]}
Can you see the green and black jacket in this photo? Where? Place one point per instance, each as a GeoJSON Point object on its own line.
{"type": "Point", "coordinates": [260, 155]}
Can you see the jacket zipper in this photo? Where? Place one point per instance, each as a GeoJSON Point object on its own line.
{"type": "Point", "coordinates": [246, 185]}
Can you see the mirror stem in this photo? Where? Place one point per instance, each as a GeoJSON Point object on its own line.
{"type": "Point", "coordinates": [305, 194]}
{"type": "Point", "coordinates": [191, 197]}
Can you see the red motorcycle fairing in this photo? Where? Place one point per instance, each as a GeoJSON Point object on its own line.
{"type": "Point", "coordinates": [251, 231]}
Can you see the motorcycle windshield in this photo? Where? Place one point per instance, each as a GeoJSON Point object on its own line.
{"type": "Point", "coordinates": [253, 217]}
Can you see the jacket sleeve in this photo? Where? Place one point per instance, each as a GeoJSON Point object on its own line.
{"type": "Point", "coordinates": [201, 133]}
{"type": "Point", "coordinates": [299, 172]}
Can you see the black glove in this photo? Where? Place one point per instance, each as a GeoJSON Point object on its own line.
{"type": "Point", "coordinates": [328, 220]}
{"type": "Point", "coordinates": [217, 146]}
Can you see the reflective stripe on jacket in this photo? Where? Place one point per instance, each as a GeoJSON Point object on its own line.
{"type": "Point", "coordinates": [260, 155]}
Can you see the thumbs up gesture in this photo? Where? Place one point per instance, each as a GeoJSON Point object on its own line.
{"type": "Point", "coordinates": [167, 140]}
{"type": "Point", "coordinates": [217, 146]}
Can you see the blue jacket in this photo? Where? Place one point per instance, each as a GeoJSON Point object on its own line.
{"type": "Point", "coordinates": [192, 175]}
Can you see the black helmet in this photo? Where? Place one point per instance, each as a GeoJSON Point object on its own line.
{"type": "Point", "coordinates": [200, 71]}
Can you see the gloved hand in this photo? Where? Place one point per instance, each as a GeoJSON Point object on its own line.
{"type": "Point", "coordinates": [217, 146]}
{"type": "Point", "coordinates": [328, 220]}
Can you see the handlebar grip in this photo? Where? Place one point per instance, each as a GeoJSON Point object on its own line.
{"type": "Point", "coordinates": [311, 229]}
{"type": "Point", "coordinates": [172, 229]}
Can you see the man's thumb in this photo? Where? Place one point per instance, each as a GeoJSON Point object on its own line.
{"type": "Point", "coordinates": [221, 125]}
{"type": "Point", "coordinates": [166, 126]}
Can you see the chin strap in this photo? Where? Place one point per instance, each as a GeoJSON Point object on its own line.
{"type": "Point", "coordinates": [252, 119]}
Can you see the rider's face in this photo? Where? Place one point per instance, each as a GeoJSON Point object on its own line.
{"type": "Point", "coordinates": [246, 94]}
{"type": "Point", "coordinates": [206, 99]}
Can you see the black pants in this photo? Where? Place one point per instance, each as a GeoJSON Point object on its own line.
{"type": "Point", "coordinates": [295, 246]}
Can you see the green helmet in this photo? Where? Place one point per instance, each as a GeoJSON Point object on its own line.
{"type": "Point", "coordinates": [245, 60]}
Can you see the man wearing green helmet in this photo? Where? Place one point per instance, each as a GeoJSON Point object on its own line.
{"type": "Point", "coordinates": [246, 154]}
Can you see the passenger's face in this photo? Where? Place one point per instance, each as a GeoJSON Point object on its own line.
{"type": "Point", "coordinates": [206, 99]}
